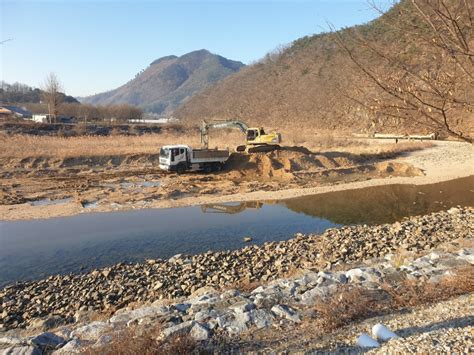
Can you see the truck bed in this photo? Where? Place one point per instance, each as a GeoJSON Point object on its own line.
{"type": "Point", "coordinates": [209, 154]}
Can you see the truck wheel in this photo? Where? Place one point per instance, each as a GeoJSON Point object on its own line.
{"type": "Point", "coordinates": [208, 169]}
{"type": "Point", "coordinates": [217, 167]}
{"type": "Point", "coordinates": [180, 169]}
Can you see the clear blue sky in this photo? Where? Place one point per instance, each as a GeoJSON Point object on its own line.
{"type": "Point", "coordinates": [94, 46]}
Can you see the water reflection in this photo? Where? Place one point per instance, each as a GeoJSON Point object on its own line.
{"type": "Point", "coordinates": [385, 204]}
{"type": "Point", "coordinates": [37, 248]}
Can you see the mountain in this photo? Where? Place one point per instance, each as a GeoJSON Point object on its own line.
{"type": "Point", "coordinates": [169, 81]}
{"type": "Point", "coordinates": [313, 84]}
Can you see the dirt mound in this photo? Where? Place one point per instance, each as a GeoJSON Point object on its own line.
{"type": "Point", "coordinates": [292, 163]}
{"type": "Point", "coordinates": [83, 161]}
{"type": "Point", "coordinates": [284, 163]}
{"type": "Point", "coordinates": [398, 169]}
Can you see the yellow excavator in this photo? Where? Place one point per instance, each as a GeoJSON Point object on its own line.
{"type": "Point", "coordinates": [256, 138]}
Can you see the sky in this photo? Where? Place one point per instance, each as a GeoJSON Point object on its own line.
{"type": "Point", "coordinates": [97, 45]}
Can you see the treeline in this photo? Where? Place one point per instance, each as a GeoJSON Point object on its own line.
{"type": "Point", "coordinates": [86, 112]}
{"type": "Point", "coordinates": [17, 92]}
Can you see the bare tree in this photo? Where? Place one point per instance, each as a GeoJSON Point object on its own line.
{"type": "Point", "coordinates": [426, 75]}
{"type": "Point", "coordinates": [52, 95]}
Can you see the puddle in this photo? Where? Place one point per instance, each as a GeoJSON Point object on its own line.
{"type": "Point", "coordinates": [133, 184]}
{"type": "Point", "coordinates": [49, 202]}
{"type": "Point", "coordinates": [38, 248]}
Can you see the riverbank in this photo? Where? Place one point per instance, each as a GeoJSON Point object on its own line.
{"type": "Point", "coordinates": [112, 288]}
{"type": "Point", "coordinates": [395, 274]}
{"type": "Point", "coordinates": [39, 189]}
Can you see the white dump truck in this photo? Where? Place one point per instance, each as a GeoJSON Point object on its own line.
{"type": "Point", "coordinates": [182, 158]}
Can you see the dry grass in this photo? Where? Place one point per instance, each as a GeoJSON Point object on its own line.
{"type": "Point", "coordinates": [144, 342]}
{"type": "Point", "coordinates": [353, 304]}
{"type": "Point", "coordinates": [23, 146]}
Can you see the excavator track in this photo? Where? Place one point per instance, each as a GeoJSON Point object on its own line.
{"type": "Point", "coordinates": [260, 148]}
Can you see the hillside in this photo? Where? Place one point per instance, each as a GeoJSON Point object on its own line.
{"type": "Point", "coordinates": [313, 84]}
{"type": "Point", "coordinates": [21, 93]}
{"type": "Point", "coordinates": [169, 81]}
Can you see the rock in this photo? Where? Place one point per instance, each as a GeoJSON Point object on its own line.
{"type": "Point", "coordinates": [363, 274]}
{"type": "Point", "coordinates": [242, 306]}
{"type": "Point", "coordinates": [11, 340]}
{"type": "Point", "coordinates": [182, 307]}
{"type": "Point", "coordinates": [48, 323]}
{"type": "Point", "coordinates": [248, 239]}
{"type": "Point", "coordinates": [238, 324]}
{"type": "Point", "coordinates": [139, 313]}
{"type": "Point", "coordinates": [204, 299]}
{"type": "Point", "coordinates": [229, 294]}
{"type": "Point", "coordinates": [83, 316]}
{"type": "Point", "coordinates": [261, 318]}
{"type": "Point", "coordinates": [21, 350]}
{"type": "Point", "coordinates": [158, 285]}
{"type": "Point", "coordinates": [310, 297]}
{"type": "Point", "coordinates": [286, 312]}
{"type": "Point", "coordinates": [224, 320]}
{"type": "Point", "coordinates": [199, 332]}
{"type": "Point", "coordinates": [182, 328]}
{"type": "Point", "coordinates": [91, 331]}
{"type": "Point", "coordinates": [72, 347]}
{"type": "Point", "coordinates": [103, 340]}
{"type": "Point", "coordinates": [467, 255]}
{"type": "Point", "coordinates": [454, 210]}
{"type": "Point", "coordinates": [204, 315]}
{"type": "Point", "coordinates": [47, 341]}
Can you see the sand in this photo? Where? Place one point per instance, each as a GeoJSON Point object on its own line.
{"type": "Point", "coordinates": [135, 182]}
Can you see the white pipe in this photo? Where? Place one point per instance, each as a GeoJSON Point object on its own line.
{"type": "Point", "coordinates": [381, 332]}
{"type": "Point", "coordinates": [365, 341]}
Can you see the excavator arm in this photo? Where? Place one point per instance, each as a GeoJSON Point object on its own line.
{"type": "Point", "coordinates": [205, 126]}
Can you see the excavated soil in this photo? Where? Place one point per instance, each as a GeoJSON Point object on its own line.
{"type": "Point", "coordinates": [46, 187]}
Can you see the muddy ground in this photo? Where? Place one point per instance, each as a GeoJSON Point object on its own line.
{"type": "Point", "coordinates": [41, 187]}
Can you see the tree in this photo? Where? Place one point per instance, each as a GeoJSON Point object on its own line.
{"type": "Point", "coordinates": [52, 95]}
{"type": "Point", "coordinates": [427, 74]}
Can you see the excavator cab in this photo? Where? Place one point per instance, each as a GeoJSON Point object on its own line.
{"type": "Point", "coordinates": [252, 134]}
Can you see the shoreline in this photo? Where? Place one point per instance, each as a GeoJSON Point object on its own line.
{"type": "Point", "coordinates": [25, 212]}
{"type": "Point", "coordinates": [106, 288]}
{"type": "Point", "coordinates": [443, 162]}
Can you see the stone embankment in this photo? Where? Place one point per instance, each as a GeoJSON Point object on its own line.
{"type": "Point", "coordinates": [281, 303]}
{"type": "Point", "coordinates": [61, 299]}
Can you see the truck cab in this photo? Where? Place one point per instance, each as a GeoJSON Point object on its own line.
{"type": "Point", "coordinates": [181, 158]}
{"type": "Point", "coordinates": [172, 156]}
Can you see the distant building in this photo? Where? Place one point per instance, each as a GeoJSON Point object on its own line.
{"type": "Point", "coordinates": [41, 118]}
{"type": "Point", "coordinates": [46, 118]}
{"type": "Point", "coordinates": [18, 112]}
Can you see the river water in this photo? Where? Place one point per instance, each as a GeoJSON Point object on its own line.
{"type": "Point", "coordinates": [37, 248]}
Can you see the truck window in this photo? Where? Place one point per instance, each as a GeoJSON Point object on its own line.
{"type": "Point", "coordinates": [181, 150]}
{"type": "Point", "coordinates": [164, 153]}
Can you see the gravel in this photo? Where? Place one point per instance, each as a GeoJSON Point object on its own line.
{"type": "Point", "coordinates": [62, 296]}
